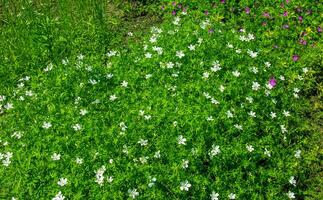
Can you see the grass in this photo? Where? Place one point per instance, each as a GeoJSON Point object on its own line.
{"type": "Point", "coordinates": [124, 100]}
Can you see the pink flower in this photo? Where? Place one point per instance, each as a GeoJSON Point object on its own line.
{"type": "Point", "coordinates": [266, 14]}
{"type": "Point", "coordinates": [272, 82]}
{"type": "Point", "coordinates": [295, 58]}
{"type": "Point", "coordinates": [173, 12]}
{"type": "Point", "coordinates": [285, 14]}
{"type": "Point", "coordinates": [319, 29]}
{"type": "Point", "coordinates": [300, 19]}
{"type": "Point", "coordinates": [247, 10]}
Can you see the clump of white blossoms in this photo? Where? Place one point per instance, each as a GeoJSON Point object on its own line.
{"type": "Point", "coordinates": [143, 142]}
{"type": "Point", "coordinates": [298, 154]}
{"type": "Point", "coordinates": [214, 196]}
{"type": "Point", "coordinates": [99, 175]}
{"type": "Point", "coordinates": [292, 180]}
{"type": "Point", "coordinates": [77, 127]}
{"type": "Point", "coordinates": [185, 185]}
{"type": "Point", "coordinates": [291, 195]}
{"type": "Point", "coordinates": [185, 164]}
{"type": "Point", "coordinates": [56, 156]}
{"type": "Point", "coordinates": [152, 182]}
{"type": "Point", "coordinates": [255, 86]}
{"type": "Point", "coordinates": [83, 112]}
{"type": "Point", "coordinates": [59, 196]}
{"type": "Point", "coordinates": [133, 193]}
{"type": "Point", "coordinates": [47, 125]}
{"type": "Point", "coordinates": [180, 54]}
{"type": "Point", "coordinates": [181, 140]}
{"type": "Point", "coordinates": [232, 196]}
{"type": "Point", "coordinates": [249, 148]}
{"type": "Point", "coordinates": [62, 182]}
{"type": "Point", "coordinates": [6, 158]}
{"type": "Point", "coordinates": [215, 150]}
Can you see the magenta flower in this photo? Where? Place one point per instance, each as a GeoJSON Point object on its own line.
{"type": "Point", "coordinates": [300, 19]}
{"type": "Point", "coordinates": [295, 58]}
{"type": "Point", "coordinates": [319, 29]}
{"type": "Point", "coordinates": [285, 14]}
{"type": "Point", "coordinates": [247, 10]}
{"type": "Point", "coordinates": [173, 12]}
{"type": "Point", "coordinates": [222, 1]}
{"type": "Point", "coordinates": [272, 82]}
{"type": "Point", "coordinates": [303, 42]}
{"type": "Point", "coordinates": [266, 14]}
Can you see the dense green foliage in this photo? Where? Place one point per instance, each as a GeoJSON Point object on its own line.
{"type": "Point", "coordinates": [218, 100]}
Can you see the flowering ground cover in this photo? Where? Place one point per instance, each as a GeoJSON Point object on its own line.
{"type": "Point", "coordinates": [197, 100]}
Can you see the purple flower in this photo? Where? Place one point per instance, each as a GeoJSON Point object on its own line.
{"type": "Point", "coordinates": [247, 10]}
{"type": "Point", "coordinates": [222, 1]}
{"type": "Point", "coordinates": [173, 12]}
{"type": "Point", "coordinates": [285, 14]}
{"type": "Point", "coordinates": [303, 42]}
{"type": "Point", "coordinates": [206, 12]}
{"type": "Point", "coordinates": [211, 31]}
{"type": "Point", "coordinates": [295, 58]}
{"type": "Point", "coordinates": [272, 82]}
{"type": "Point", "coordinates": [300, 19]}
{"type": "Point", "coordinates": [179, 5]}
{"type": "Point", "coordinates": [285, 26]}
{"type": "Point", "coordinates": [319, 29]}
{"type": "Point", "coordinates": [266, 14]}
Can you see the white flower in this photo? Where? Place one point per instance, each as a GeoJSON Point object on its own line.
{"type": "Point", "coordinates": [291, 195]}
{"type": "Point", "coordinates": [29, 93]}
{"type": "Point", "coordinates": [249, 99]}
{"type": "Point", "coordinates": [109, 76]}
{"type": "Point", "coordinates": [214, 151]}
{"type": "Point", "coordinates": [93, 81]}
{"type": "Point", "coordinates": [143, 142]}
{"type": "Point", "coordinates": [148, 76]}
{"type": "Point", "coordinates": [255, 86]}
{"type": "Point", "coordinates": [236, 73]}
{"type": "Point", "coordinates": [214, 196]}
{"type": "Point", "coordinates": [250, 148]}
{"type": "Point", "coordinates": [216, 66]}
{"type": "Point", "coordinates": [229, 45]}
{"type": "Point", "coordinates": [229, 114]}
{"type": "Point", "coordinates": [17, 134]}
{"type": "Point", "coordinates": [56, 156]}
{"type": "Point", "coordinates": [147, 117]}
{"type": "Point", "coordinates": [206, 75]}
{"type": "Point", "coordinates": [238, 51]}
{"type": "Point", "coordinates": [79, 161]}
{"type": "Point", "coordinates": [214, 101]}
{"type": "Point", "coordinates": [133, 193]}
{"type": "Point", "coordinates": [8, 106]}
{"type": "Point", "coordinates": [191, 47]}
{"type": "Point", "coordinates": [232, 196]}
{"type": "Point", "coordinates": [221, 88]}
{"type": "Point", "coordinates": [83, 112]}
{"type": "Point", "coordinates": [292, 181]}
{"type": "Point", "coordinates": [185, 164]}
{"type": "Point", "coordinates": [47, 125]}
{"type": "Point", "coordinates": [2, 98]}
{"type": "Point", "coordinates": [152, 182]}
{"type": "Point", "coordinates": [170, 65]}
{"type": "Point", "coordinates": [286, 113]}
{"type": "Point", "coordinates": [62, 182]}
{"type": "Point", "coordinates": [281, 77]}
{"type": "Point", "coordinates": [237, 126]}
{"type": "Point", "coordinates": [157, 154]}
{"type": "Point", "coordinates": [298, 153]}
{"type": "Point", "coordinates": [124, 84]}
{"type": "Point", "coordinates": [252, 54]}
{"type": "Point", "coordinates": [210, 118]}
{"type": "Point", "coordinates": [148, 55]}
{"type": "Point", "coordinates": [99, 175]}
{"type": "Point", "coordinates": [207, 95]}
{"type": "Point", "coordinates": [267, 153]}
{"type": "Point", "coordinates": [185, 185]}
{"type": "Point", "coordinates": [305, 70]}
{"type": "Point", "coordinates": [113, 97]}
{"type": "Point", "coordinates": [49, 67]}
{"type": "Point", "coordinates": [180, 54]}
{"type": "Point", "coordinates": [77, 127]}
{"type": "Point", "coordinates": [272, 115]}
{"type": "Point", "coordinates": [59, 196]}
{"type": "Point", "coordinates": [252, 114]}
{"type": "Point", "coordinates": [283, 129]}
{"type": "Point", "coordinates": [181, 140]}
